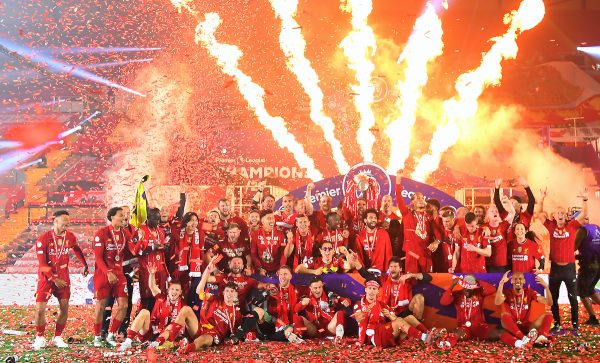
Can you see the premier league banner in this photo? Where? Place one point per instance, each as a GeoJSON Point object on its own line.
{"type": "Point", "coordinates": [336, 186]}
{"type": "Point", "coordinates": [352, 286]}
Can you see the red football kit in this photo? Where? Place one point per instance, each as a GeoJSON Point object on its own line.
{"type": "Point", "coordinates": [241, 248]}
{"type": "Point", "coordinates": [147, 244]}
{"type": "Point", "coordinates": [396, 294]}
{"type": "Point", "coordinates": [318, 222]}
{"type": "Point", "coordinates": [374, 248]}
{"type": "Point", "coordinates": [562, 241]}
{"type": "Point", "coordinates": [523, 255]}
{"type": "Point", "coordinates": [448, 246]}
{"type": "Point", "coordinates": [469, 310]}
{"type": "Point", "coordinates": [335, 237]}
{"type": "Point", "coordinates": [267, 250]}
{"type": "Point", "coordinates": [498, 240]}
{"type": "Point", "coordinates": [303, 248]}
{"type": "Point", "coordinates": [374, 329]}
{"type": "Point", "coordinates": [109, 245]}
{"type": "Point", "coordinates": [319, 312]}
{"type": "Point", "coordinates": [218, 320]}
{"type": "Point", "coordinates": [516, 314]}
{"type": "Point", "coordinates": [418, 234]}
{"type": "Point", "coordinates": [471, 261]}
{"type": "Point", "coordinates": [53, 257]}
{"type": "Point", "coordinates": [163, 314]}
{"type": "Point", "coordinates": [281, 305]}
{"type": "Point", "coordinates": [244, 284]}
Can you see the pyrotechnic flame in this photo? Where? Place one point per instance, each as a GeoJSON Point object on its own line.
{"type": "Point", "coordinates": [470, 85]}
{"type": "Point", "coordinates": [293, 45]}
{"type": "Point", "coordinates": [424, 45]}
{"type": "Point", "coordinates": [358, 46]}
{"type": "Point", "coordinates": [227, 57]}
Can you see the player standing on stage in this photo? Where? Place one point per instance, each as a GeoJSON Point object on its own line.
{"type": "Point", "coordinates": [109, 279]}
{"type": "Point", "coordinates": [516, 309]}
{"type": "Point", "coordinates": [52, 250]}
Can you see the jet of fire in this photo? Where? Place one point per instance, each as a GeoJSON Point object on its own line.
{"type": "Point", "coordinates": [293, 45]}
{"type": "Point", "coordinates": [227, 57]}
{"type": "Point", "coordinates": [358, 46]}
{"type": "Point", "coordinates": [423, 46]}
{"type": "Point", "coordinates": [469, 86]}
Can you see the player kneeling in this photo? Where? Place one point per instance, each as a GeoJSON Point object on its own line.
{"type": "Point", "coordinates": [148, 325]}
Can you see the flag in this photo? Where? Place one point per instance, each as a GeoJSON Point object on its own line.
{"type": "Point", "coordinates": [139, 214]}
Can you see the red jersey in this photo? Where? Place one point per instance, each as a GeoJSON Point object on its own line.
{"type": "Point", "coordinates": [335, 265]}
{"type": "Point", "coordinates": [216, 315]}
{"type": "Point", "coordinates": [519, 305]}
{"type": "Point", "coordinates": [471, 261]}
{"type": "Point", "coordinates": [318, 310]}
{"type": "Point", "coordinates": [522, 217]}
{"type": "Point", "coordinates": [335, 237]}
{"type": "Point", "coordinates": [562, 241]}
{"type": "Point", "coordinates": [468, 309]}
{"type": "Point", "coordinates": [418, 229]}
{"type": "Point", "coordinates": [498, 240]}
{"type": "Point", "coordinates": [396, 294]}
{"type": "Point", "coordinates": [230, 250]}
{"type": "Point", "coordinates": [191, 251]}
{"type": "Point", "coordinates": [267, 249]}
{"type": "Point", "coordinates": [281, 305]}
{"type": "Point", "coordinates": [374, 249]}
{"type": "Point", "coordinates": [381, 217]}
{"type": "Point", "coordinates": [164, 312]}
{"type": "Point", "coordinates": [318, 222]}
{"type": "Point", "coordinates": [147, 244]}
{"type": "Point", "coordinates": [53, 255]}
{"type": "Point", "coordinates": [448, 246]}
{"type": "Point", "coordinates": [523, 255]}
{"type": "Point", "coordinates": [108, 250]}
{"type": "Point", "coordinates": [244, 284]}
{"type": "Point", "coordinates": [373, 318]}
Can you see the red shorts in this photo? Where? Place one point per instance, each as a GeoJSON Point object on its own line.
{"type": "Point", "coordinates": [477, 331]}
{"type": "Point", "coordinates": [414, 265]}
{"type": "Point", "coordinates": [384, 336]}
{"type": "Point", "coordinates": [103, 289]}
{"type": "Point", "coordinates": [45, 290]}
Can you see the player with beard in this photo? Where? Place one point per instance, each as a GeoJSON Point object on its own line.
{"type": "Point", "coordinates": [171, 225]}
{"type": "Point", "coordinates": [190, 245]}
{"type": "Point", "coordinates": [450, 246]}
{"type": "Point", "coordinates": [236, 275]}
{"type": "Point", "coordinates": [355, 222]}
{"type": "Point", "coordinates": [303, 242]}
{"type": "Point", "coordinates": [387, 212]}
{"type": "Point", "coordinates": [109, 279]}
{"type": "Point", "coordinates": [287, 209]}
{"type": "Point", "coordinates": [373, 244]}
{"type": "Point", "coordinates": [473, 248]}
{"type": "Point", "coordinates": [516, 309]}
{"type": "Point", "coordinates": [261, 200]}
{"type": "Point", "coordinates": [268, 246]}
{"type": "Point", "coordinates": [521, 216]}
{"type": "Point", "coordinates": [52, 249]}
{"type": "Point", "coordinates": [318, 218]}
{"type": "Point", "coordinates": [496, 232]}
{"type": "Point", "coordinates": [234, 246]}
{"type": "Point", "coordinates": [148, 325]}
{"type": "Point", "coordinates": [479, 212]}
{"type": "Point", "coordinates": [317, 315]}
{"type": "Point", "coordinates": [469, 309]}
{"type": "Point", "coordinates": [379, 326]}
{"type": "Point", "coordinates": [130, 264]}
{"type": "Point", "coordinates": [148, 243]}
{"type": "Point", "coordinates": [253, 221]}
{"type": "Point", "coordinates": [562, 256]}
{"type": "Point", "coordinates": [326, 263]}
{"type": "Point", "coordinates": [419, 241]}
{"type": "Point", "coordinates": [397, 288]}
{"type": "Point", "coordinates": [276, 317]}
{"type": "Point", "coordinates": [524, 250]}
{"type": "Point", "coordinates": [334, 234]}
{"type": "Point", "coordinates": [226, 218]}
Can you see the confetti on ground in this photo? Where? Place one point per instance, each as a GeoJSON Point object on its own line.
{"type": "Point", "coordinates": [585, 348]}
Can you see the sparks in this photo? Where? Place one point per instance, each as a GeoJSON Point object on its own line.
{"type": "Point", "coordinates": [293, 45]}
{"type": "Point", "coordinates": [359, 45]}
{"type": "Point", "coordinates": [227, 57]}
{"type": "Point", "coordinates": [423, 46]}
{"type": "Point", "coordinates": [469, 86]}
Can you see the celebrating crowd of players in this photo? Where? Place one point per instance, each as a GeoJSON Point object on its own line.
{"type": "Point", "coordinates": [222, 279]}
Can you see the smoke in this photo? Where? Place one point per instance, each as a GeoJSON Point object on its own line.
{"type": "Point", "coordinates": [491, 145]}
{"type": "Point", "coordinates": [155, 121]}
